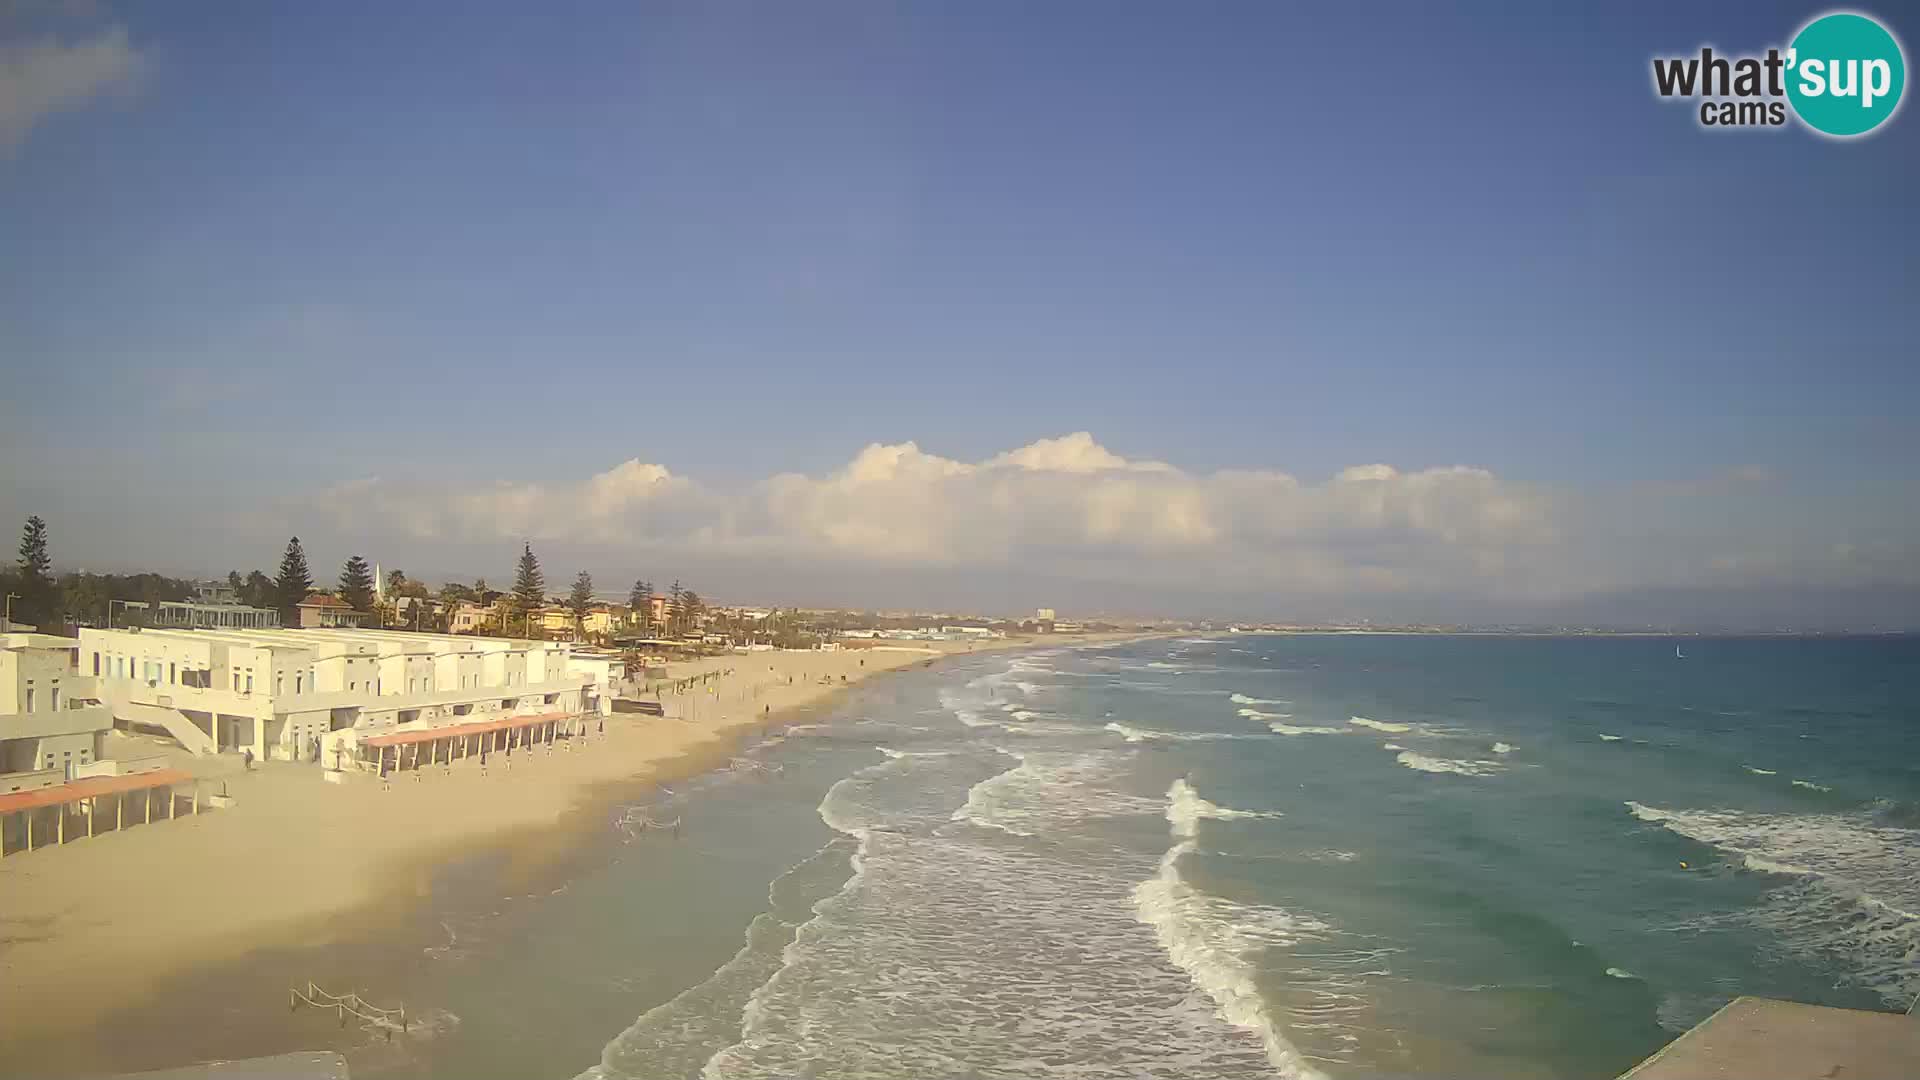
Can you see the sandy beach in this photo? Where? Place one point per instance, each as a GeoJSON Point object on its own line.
{"type": "Point", "coordinates": [87, 929]}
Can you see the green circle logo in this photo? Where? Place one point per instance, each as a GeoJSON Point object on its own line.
{"type": "Point", "coordinates": [1845, 74]}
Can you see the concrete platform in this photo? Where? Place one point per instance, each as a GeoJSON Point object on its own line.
{"type": "Point", "coordinates": [1760, 1039]}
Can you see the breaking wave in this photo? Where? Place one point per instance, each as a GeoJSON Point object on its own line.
{"type": "Point", "coordinates": [1242, 699]}
{"type": "Point", "coordinates": [1185, 808]}
{"type": "Point", "coordinates": [1853, 900]}
{"type": "Point", "coordinates": [1216, 940]}
{"type": "Point", "coordinates": [1379, 725]}
{"type": "Point", "coordinates": [1425, 763]}
{"type": "Point", "coordinates": [1279, 728]}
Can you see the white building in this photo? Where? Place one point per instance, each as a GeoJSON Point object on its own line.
{"type": "Point", "coordinates": [302, 694]}
{"type": "Point", "coordinates": [49, 718]}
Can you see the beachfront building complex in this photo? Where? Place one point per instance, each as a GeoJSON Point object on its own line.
{"type": "Point", "coordinates": [50, 720]}
{"type": "Point", "coordinates": [312, 694]}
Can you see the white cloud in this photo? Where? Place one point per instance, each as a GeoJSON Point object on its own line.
{"type": "Point", "coordinates": [44, 75]}
{"type": "Point", "coordinates": [605, 508]}
{"type": "Point", "coordinates": [1066, 505]}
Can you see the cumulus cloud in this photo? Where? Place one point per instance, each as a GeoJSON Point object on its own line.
{"type": "Point", "coordinates": [45, 75]}
{"type": "Point", "coordinates": [608, 507]}
{"type": "Point", "coordinates": [1064, 505]}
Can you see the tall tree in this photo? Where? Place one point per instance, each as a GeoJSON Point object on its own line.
{"type": "Point", "coordinates": [641, 600]}
{"type": "Point", "coordinates": [356, 583]}
{"type": "Point", "coordinates": [235, 583]}
{"type": "Point", "coordinates": [674, 607]}
{"type": "Point", "coordinates": [294, 582]}
{"type": "Point", "coordinates": [529, 584]}
{"type": "Point", "coordinates": [36, 585]}
{"type": "Point", "coordinates": [396, 582]}
{"type": "Point", "coordinates": [581, 598]}
{"type": "Point", "coordinates": [692, 607]}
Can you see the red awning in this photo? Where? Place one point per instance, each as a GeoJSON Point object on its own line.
{"type": "Point", "coordinates": [455, 731]}
{"type": "Point", "coordinates": [91, 787]}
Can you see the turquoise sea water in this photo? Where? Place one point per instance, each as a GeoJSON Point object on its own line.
{"type": "Point", "coordinates": [1249, 856]}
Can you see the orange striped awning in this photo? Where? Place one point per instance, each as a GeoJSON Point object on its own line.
{"type": "Point", "coordinates": [90, 787]}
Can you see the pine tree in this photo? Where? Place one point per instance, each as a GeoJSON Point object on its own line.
{"type": "Point", "coordinates": [36, 586]}
{"type": "Point", "coordinates": [674, 607]}
{"type": "Point", "coordinates": [294, 582]}
{"type": "Point", "coordinates": [356, 584]}
{"type": "Point", "coordinates": [641, 600]}
{"type": "Point", "coordinates": [529, 584]}
{"type": "Point", "coordinates": [581, 598]}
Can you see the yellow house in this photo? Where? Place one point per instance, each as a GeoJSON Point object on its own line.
{"type": "Point", "coordinates": [555, 622]}
{"type": "Point", "coordinates": [599, 621]}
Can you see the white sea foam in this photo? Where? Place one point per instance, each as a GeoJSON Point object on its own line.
{"type": "Point", "coordinates": [1604, 737]}
{"type": "Point", "coordinates": [1811, 786]}
{"type": "Point", "coordinates": [1216, 941]}
{"type": "Point", "coordinates": [1458, 767]}
{"type": "Point", "coordinates": [1048, 790]}
{"type": "Point", "coordinates": [1621, 973]}
{"type": "Point", "coordinates": [1391, 746]}
{"type": "Point", "coordinates": [1134, 734]}
{"type": "Point", "coordinates": [1185, 808]}
{"type": "Point", "coordinates": [1163, 666]}
{"type": "Point", "coordinates": [1379, 725]}
{"type": "Point", "coordinates": [954, 952]}
{"type": "Point", "coordinates": [1762, 772]}
{"type": "Point", "coordinates": [1853, 895]}
{"type": "Point", "coordinates": [901, 755]}
{"type": "Point", "coordinates": [1279, 728]}
{"type": "Point", "coordinates": [1502, 748]}
{"type": "Point", "coordinates": [1256, 714]}
{"type": "Point", "coordinates": [1242, 699]}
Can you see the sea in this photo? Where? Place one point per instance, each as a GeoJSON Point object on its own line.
{"type": "Point", "coordinates": [1233, 856]}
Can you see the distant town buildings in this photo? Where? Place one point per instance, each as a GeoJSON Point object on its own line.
{"type": "Point", "coordinates": [326, 611]}
{"type": "Point", "coordinates": [193, 615]}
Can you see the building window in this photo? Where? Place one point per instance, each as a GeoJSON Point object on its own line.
{"type": "Point", "coordinates": [53, 699]}
{"type": "Point", "coordinates": [170, 677]}
{"type": "Point", "coordinates": [249, 684]}
{"type": "Point", "coordinates": [96, 664]}
{"type": "Point", "coordinates": [236, 681]}
{"type": "Point", "coordinates": [29, 699]}
{"type": "Point", "coordinates": [296, 682]}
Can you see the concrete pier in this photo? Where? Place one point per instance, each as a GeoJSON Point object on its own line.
{"type": "Point", "coordinates": [1759, 1039]}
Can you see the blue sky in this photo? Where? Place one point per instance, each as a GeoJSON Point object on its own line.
{"type": "Point", "coordinates": [270, 252]}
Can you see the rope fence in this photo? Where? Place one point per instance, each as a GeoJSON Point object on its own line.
{"type": "Point", "coordinates": [345, 1005]}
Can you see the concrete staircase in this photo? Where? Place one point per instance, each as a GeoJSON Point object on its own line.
{"type": "Point", "coordinates": [172, 721]}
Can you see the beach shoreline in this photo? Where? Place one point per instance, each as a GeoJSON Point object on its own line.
{"type": "Point", "coordinates": [90, 933]}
